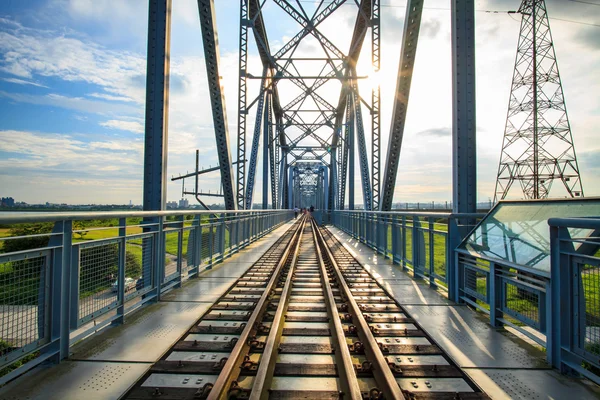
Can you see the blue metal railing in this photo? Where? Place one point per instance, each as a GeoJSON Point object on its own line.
{"type": "Point", "coordinates": [68, 275]}
{"type": "Point", "coordinates": [574, 333]}
{"type": "Point", "coordinates": [419, 242]}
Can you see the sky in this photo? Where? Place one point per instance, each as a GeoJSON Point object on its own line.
{"type": "Point", "coordinates": [72, 91]}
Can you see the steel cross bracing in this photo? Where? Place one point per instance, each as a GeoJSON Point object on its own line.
{"type": "Point", "coordinates": [538, 144]}
{"type": "Point", "coordinates": [307, 123]}
{"type": "Point", "coordinates": [375, 105]}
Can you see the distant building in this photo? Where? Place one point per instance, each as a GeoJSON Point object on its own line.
{"type": "Point", "coordinates": [7, 202]}
{"type": "Point", "coordinates": [171, 204]}
{"type": "Point", "coordinates": [184, 203]}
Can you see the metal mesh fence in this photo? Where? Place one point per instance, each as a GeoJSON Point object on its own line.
{"type": "Point", "coordinates": [216, 233]}
{"type": "Point", "coordinates": [138, 264]}
{"type": "Point", "coordinates": [171, 254]}
{"type": "Point", "coordinates": [98, 271]}
{"type": "Point", "coordinates": [439, 255]}
{"type": "Point", "coordinates": [590, 284]}
{"type": "Point", "coordinates": [475, 284]}
{"type": "Point", "coordinates": [521, 302]}
{"type": "Point", "coordinates": [189, 247]}
{"type": "Point", "coordinates": [22, 303]}
{"type": "Point", "coordinates": [205, 244]}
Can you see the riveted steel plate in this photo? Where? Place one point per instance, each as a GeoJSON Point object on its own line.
{"type": "Point", "coordinates": [178, 380]}
{"type": "Point", "coordinates": [198, 356]}
{"type": "Point", "coordinates": [451, 385]}
{"type": "Point", "coordinates": [417, 360]}
{"type": "Point", "coordinates": [202, 337]}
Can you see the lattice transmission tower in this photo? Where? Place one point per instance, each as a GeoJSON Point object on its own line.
{"type": "Point", "coordinates": [538, 146]}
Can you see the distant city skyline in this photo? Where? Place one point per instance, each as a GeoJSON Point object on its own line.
{"type": "Point", "coordinates": [72, 92]}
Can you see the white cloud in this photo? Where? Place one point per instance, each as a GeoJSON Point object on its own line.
{"type": "Point", "coordinates": [53, 162]}
{"type": "Point", "coordinates": [80, 104]}
{"type": "Point", "coordinates": [109, 97]}
{"type": "Point", "coordinates": [132, 126]}
{"type": "Point", "coordinates": [23, 82]}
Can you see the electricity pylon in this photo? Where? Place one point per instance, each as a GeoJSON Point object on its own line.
{"type": "Point", "coordinates": [538, 145]}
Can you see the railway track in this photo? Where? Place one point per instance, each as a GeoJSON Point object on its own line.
{"type": "Point", "coordinates": [306, 321]}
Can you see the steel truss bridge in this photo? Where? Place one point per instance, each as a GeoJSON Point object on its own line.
{"type": "Point", "coordinates": [532, 267]}
{"type": "Point", "coordinates": [308, 107]}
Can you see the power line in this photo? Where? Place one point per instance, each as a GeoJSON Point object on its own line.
{"type": "Point", "coordinates": [585, 2]}
{"type": "Point", "coordinates": [388, 5]}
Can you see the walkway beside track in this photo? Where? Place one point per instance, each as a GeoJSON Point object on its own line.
{"type": "Point", "coordinates": [504, 366]}
{"type": "Point", "coordinates": [106, 365]}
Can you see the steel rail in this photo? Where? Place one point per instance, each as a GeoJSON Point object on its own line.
{"type": "Point", "coordinates": [264, 374]}
{"type": "Point", "coordinates": [231, 368]}
{"type": "Point", "coordinates": [349, 378]}
{"type": "Point", "coordinates": [381, 370]}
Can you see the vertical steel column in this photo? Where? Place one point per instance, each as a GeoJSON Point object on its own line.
{"type": "Point", "coordinates": [242, 111]}
{"type": "Point", "coordinates": [273, 154]}
{"type": "Point", "coordinates": [265, 182]}
{"type": "Point", "coordinates": [464, 152]}
{"type": "Point", "coordinates": [464, 172]}
{"type": "Point", "coordinates": [285, 193]}
{"type": "Point", "coordinates": [210, 43]}
{"type": "Point", "coordinates": [375, 105]}
{"type": "Point", "coordinates": [344, 156]}
{"type": "Point", "coordinates": [350, 139]}
{"type": "Point", "coordinates": [291, 199]}
{"type": "Point", "coordinates": [333, 175]}
{"type": "Point", "coordinates": [362, 148]}
{"type": "Point", "coordinates": [249, 195]}
{"type": "Point", "coordinates": [157, 105]}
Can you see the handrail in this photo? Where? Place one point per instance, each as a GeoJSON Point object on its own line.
{"type": "Point", "coordinates": [23, 217]}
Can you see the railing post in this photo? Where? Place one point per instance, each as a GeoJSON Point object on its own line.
{"type": "Point", "coordinates": [415, 246]}
{"type": "Point", "coordinates": [453, 275]}
{"type": "Point", "coordinates": [496, 295]}
{"type": "Point", "coordinates": [431, 252]}
{"type": "Point", "coordinates": [121, 271]}
{"type": "Point", "coordinates": [197, 245]}
{"type": "Point", "coordinates": [403, 243]}
{"type": "Point", "coordinates": [560, 311]}
{"type": "Point", "coordinates": [180, 232]}
{"type": "Point", "coordinates": [159, 252]}
{"type": "Point", "coordinates": [60, 296]}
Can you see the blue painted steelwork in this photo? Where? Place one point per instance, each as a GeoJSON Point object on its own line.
{"type": "Point", "coordinates": [157, 105]}
{"type": "Point", "coordinates": [573, 337]}
{"type": "Point", "coordinates": [85, 286]}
